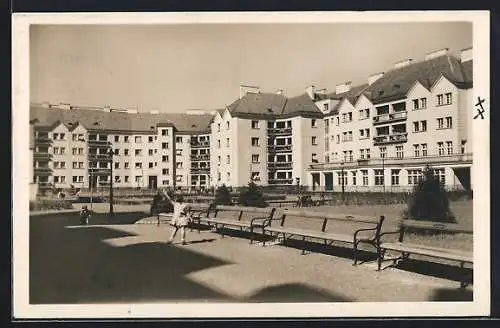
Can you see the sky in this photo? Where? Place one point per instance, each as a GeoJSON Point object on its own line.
{"type": "Point", "coordinates": [172, 68]}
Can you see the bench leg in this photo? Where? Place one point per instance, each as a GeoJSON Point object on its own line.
{"type": "Point", "coordinates": [380, 258]}
{"type": "Point", "coordinates": [251, 235]}
{"type": "Point", "coordinates": [303, 250]}
{"type": "Point", "coordinates": [355, 253]}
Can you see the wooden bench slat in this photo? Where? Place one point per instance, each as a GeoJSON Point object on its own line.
{"type": "Point", "coordinates": [228, 222]}
{"type": "Point", "coordinates": [228, 208]}
{"type": "Point", "coordinates": [436, 252]}
{"type": "Point", "coordinates": [437, 226]}
{"type": "Point", "coordinates": [329, 215]}
{"type": "Point", "coordinates": [312, 234]}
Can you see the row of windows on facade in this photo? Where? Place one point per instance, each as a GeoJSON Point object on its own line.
{"type": "Point", "coordinates": [254, 124]}
{"type": "Point", "coordinates": [414, 177]}
{"type": "Point", "coordinates": [418, 103]}
{"type": "Point", "coordinates": [419, 150]}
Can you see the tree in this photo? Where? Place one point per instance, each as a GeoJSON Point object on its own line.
{"type": "Point", "coordinates": [429, 201]}
{"type": "Point", "coordinates": [253, 196]}
{"type": "Point", "coordinates": [222, 196]}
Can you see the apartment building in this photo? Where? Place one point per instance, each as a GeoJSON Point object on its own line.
{"type": "Point", "coordinates": [84, 148]}
{"type": "Point", "coordinates": [267, 138]}
{"type": "Point", "coordinates": [381, 135]}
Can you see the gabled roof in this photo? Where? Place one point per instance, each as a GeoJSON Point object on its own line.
{"type": "Point", "coordinates": [467, 68]}
{"type": "Point", "coordinates": [118, 121]}
{"type": "Point", "coordinates": [302, 104]}
{"type": "Point", "coordinates": [396, 83]}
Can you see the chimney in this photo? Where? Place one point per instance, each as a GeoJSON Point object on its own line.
{"type": "Point", "coordinates": [321, 91]}
{"type": "Point", "coordinates": [403, 63]}
{"type": "Point", "coordinates": [64, 106]}
{"type": "Point", "coordinates": [311, 90]}
{"type": "Point", "coordinates": [343, 87]}
{"type": "Point", "coordinates": [466, 55]}
{"type": "Point", "coordinates": [280, 92]}
{"type": "Point", "coordinates": [436, 53]}
{"type": "Point", "coordinates": [374, 77]}
{"type": "Point", "coordinates": [244, 89]}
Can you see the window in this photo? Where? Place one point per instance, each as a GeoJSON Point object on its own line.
{"type": "Point", "coordinates": [125, 138]}
{"type": "Point", "coordinates": [165, 171]}
{"type": "Point", "coordinates": [338, 138]}
{"type": "Point", "coordinates": [342, 178]}
{"type": "Point", "coordinates": [424, 149]}
{"type": "Point", "coordinates": [395, 177]}
{"type": "Point", "coordinates": [150, 139]}
{"type": "Point", "coordinates": [399, 152]}
{"type": "Point", "coordinates": [362, 154]}
{"type": "Point", "coordinates": [420, 103]}
{"type": "Point", "coordinates": [314, 123]}
{"type": "Point", "coordinates": [364, 113]}
{"type": "Point", "coordinates": [255, 158]}
{"type": "Point", "coordinates": [439, 173]}
{"type": "Point", "coordinates": [364, 133]}
{"type": "Point", "coordinates": [414, 176]}
{"type": "Point", "coordinates": [218, 127]}
{"type": "Point", "coordinates": [164, 145]}
{"type": "Point", "coordinates": [255, 141]}
{"type": "Point", "coordinates": [56, 179]}
{"type": "Point", "coordinates": [75, 165]}
{"type": "Point", "coordinates": [218, 143]}
{"type": "Point", "coordinates": [164, 132]}
{"type": "Point", "coordinates": [178, 139]}
{"type": "Point", "coordinates": [125, 152]}
{"type": "Point", "coordinates": [423, 125]}
{"type": "Point", "coordinates": [420, 126]}
{"type": "Point", "coordinates": [150, 152]}
{"type": "Point", "coordinates": [227, 125]}
{"type": "Point", "coordinates": [74, 151]}
{"type": "Point", "coordinates": [178, 152]}
{"type": "Point", "coordinates": [126, 178]}
{"type": "Point", "coordinates": [227, 142]}
{"type": "Point", "coordinates": [75, 179]}
{"type": "Point", "coordinates": [415, 104]}
{"type": "Point", "coordinates": [448, 98]}
{"type": "Point", "coordinates": [379, 177]}
{"type": "Point", "coordinates": [255, 124]}
{"type": "Point", "coordinates": [137, 139]}
{"type": "Point", "coordinates": [416, 150]}
{"type": "Point", "coordinates": [353, 178]}
{"type": "Point", "coordinates": [423, 103]}
{"type": "Point", "coordinates": [218, 160]}
{"type": "Point", "coordinates": [365, 177]}
{"type": "Point", "coordinates": [138, 178]}
{"type": "Point", "coordinates": [55, 136]}
{"type": "Point", "coordinates": [218, 176]}
{"type": "Point", "coordinates": [368, 153]}
{"type": "Point", "coordinates": [138, 165]}
{"type": "Point", "coordinates": [255, 176]}
{"type": "Point", "coordinates": [228, 176]}
{"type": "Point", "coordinates": [383, 152]}
{"type": "Point", "coordinates": [338, 120]}
{"type": "Point", "coordinates": [463, 148]}
{"type": "Point", "coordinates": [448, 122]}
{"type": "Point", "coordinates": [313, 158]}
{"type": "Point", "coordinates": [416, 127]}
{"type": "Point", "coordinates": [61, 150]}
{"type": "Point", "coordinates": [440, 101]}
{"type": "Point", "coordinates": [164, 158]}
{"type": "Point", "coordinates": [314, 141]}
{"type": "Point", "coordinates": [138, 152]}
{"type": "Point", "coordinates": [440, 148]}
{"type": "Point", "coordinates": [179, 165]}
{"type": "Point", "coordinates": [117, 138]}
{"type": "Point", "coordinates": [449, 147]}
{"type": "Point", "coordinates": [151, 165]}
{"type": "Point", "coordinates": [228, 159]}
{"type": "Point", "coordinates": [440, 123]}
{"type": "Point", "coordinates": [117, 165]}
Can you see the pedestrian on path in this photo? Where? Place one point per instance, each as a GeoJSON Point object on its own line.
{"type": "Point", "coordinates": [84, 215]}
{"type": "Point", "coordinates": [180, 218]}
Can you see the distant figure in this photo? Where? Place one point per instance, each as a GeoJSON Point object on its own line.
{"type": "Point", "coordinates": [156, 202]}
{"type": "Point", "coordinates": [180, 219]}
{"type": "Point", "coordinates": [84, 215]}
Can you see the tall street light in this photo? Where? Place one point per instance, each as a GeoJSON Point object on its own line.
{"type": "Point", "coordinates": [110, 154]}
{"type": "Point", "coordinates": [342, 176]}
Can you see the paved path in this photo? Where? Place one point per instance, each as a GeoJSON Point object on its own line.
{"type": "Point", "coordinates": [132, 263]}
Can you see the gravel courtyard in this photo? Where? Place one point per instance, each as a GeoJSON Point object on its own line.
{"type": "Point", "coordinates": [112, 263]}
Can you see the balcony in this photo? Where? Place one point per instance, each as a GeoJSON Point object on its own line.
{"type": "Point", "coordinates": [390, 138]}
{"type": "Point", "coordinates": [200, 170]}
{"type": "Point", "coordinates": [200, 144]}
{"type": "Point", "coordinates": [98, 143]}
{"type": "Point", "coordinates": [279, 148]}
{"type": "Point", "coordinates": [45, 185]}
{"type": "Point", "coordinates": [45, 140]}
{"type": "Point", "coordinates": [205, 157]}
{"type": "Point", "coordinates": [99, 157]}
{"type": "Point", "coordinates": [99, 171]}
{"type": "Point", "coordinates": [39, 156]}
{"type": "Point", "coordinates": [279, 165]}
{"type": "Point", "coordinates": [389, 118]}
{"type": "Point", "coordinates": [280, 181]}
{"type": "Point", "coordinates": [454, 159]}
{"type": "Point", "coordinates": [43, 171]}
{"type": "Point", "coordinates": [279, 131]}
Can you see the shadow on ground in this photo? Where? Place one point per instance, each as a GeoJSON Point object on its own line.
{"type": "Point", "coordinates": [451, 295]}
{"type": "Point", "coordinates": [96, 218]}
{"type": "Point", "coordinates": [294, 293]}
{"type": "Point", "coordinates": [69, 265]}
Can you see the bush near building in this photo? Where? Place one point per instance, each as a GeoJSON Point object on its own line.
{"type": "Point", "coordinates": [50, 204]}
{"type": "Point", "coordinates": [252, 197]}
{"type": "Point", "coordinates": [429, 201]}
{"type": "Point", "coordinates": [223, 196]}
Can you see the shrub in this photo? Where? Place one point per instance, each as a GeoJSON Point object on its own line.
{"type": "Point", "coordinates": [429, 201]}
{"type": "Point", "coordinates": [50, 204]}
{"type": "Point", "coordinates": [253, 197]}
{"type": "Point", "coordinates": [222, 196]}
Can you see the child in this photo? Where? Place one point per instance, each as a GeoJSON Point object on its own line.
{"type": "Point", "coordinates": [84, 215]}
{"type": "Point", "coordinates": [180, 219]}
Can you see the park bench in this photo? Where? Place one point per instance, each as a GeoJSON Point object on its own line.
{"type": "Point", "coordinates": [196, 212]}
{"type": "Point", "coordinates": [233, 217]}
{"type": "Point", "coordinates": [406, 248]}
{"type": "Point", "coordinates": [355, 230]}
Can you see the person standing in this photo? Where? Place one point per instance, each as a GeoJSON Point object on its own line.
{"type": "Point", "coordinates": [180, 218]}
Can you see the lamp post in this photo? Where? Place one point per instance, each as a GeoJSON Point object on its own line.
{"type": "Point", "coordinates": [111, 153]}
{"type": "Point", "coordinates": [342, 177]}
{"type": "Point", "coordinates": [383, 174]}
